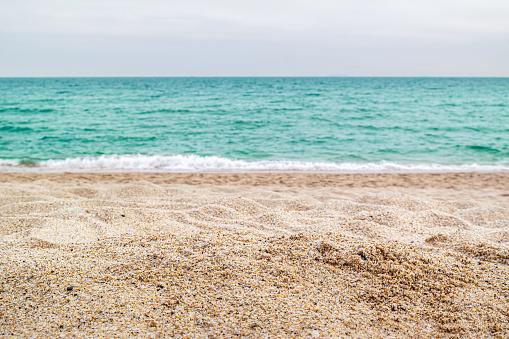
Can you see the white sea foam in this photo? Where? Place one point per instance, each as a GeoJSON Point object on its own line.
{"type": "Point", "coordinates": [4, 163]}
{"type": "Point", "coordinates": [194, 163]}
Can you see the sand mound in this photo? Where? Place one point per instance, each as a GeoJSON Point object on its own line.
{"type": "Point", "coordinates": [222, 284]}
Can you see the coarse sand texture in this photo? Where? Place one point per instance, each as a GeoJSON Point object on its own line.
{"type": "Point", "coordinates": [254, 256]}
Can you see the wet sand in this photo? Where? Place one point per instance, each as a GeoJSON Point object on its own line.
{"type": "Point", "coordinates": [254, 255]}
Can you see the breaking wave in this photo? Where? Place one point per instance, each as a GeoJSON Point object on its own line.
{"type": "Point", "coordinates": [194, 163]}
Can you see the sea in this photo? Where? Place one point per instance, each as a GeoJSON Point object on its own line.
{"type": "Point", "coordinates": [254, 124]}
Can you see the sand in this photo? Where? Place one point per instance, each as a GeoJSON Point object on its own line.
{"type": "Point", "coordinates": [254, 255]}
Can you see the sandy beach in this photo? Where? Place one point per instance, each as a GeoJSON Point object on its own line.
{"type": "Point", "coordinates": [213, 255]}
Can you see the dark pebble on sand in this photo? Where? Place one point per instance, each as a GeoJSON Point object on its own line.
{"type": "Point", "coordinates": [123, 215]}
{"type": "Point", "coordinates": [70, 288]}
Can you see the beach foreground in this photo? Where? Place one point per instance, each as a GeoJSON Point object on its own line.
{"type": "Point", "coordinates": [254, 255]}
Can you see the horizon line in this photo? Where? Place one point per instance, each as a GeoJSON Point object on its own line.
{"type": "Point", "coordinates": [257, 76]}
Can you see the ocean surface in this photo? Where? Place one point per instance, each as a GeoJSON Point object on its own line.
{"type": "Point", "coordinates": [254, 124]}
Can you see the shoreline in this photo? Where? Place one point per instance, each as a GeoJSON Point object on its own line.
{"type": "Point", "coordinates": [459, 180]}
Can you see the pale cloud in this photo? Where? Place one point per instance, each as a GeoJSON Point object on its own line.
{"type": "Point", "coordinates": [276, 37]}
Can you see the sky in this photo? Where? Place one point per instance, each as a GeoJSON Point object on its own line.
{"type": "Point", "coordinates": [254, 38]}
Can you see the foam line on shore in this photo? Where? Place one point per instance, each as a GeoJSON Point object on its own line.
{"type": "Point", "coordinates": [194, 163]}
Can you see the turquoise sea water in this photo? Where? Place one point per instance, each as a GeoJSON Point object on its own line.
{"type": "Point", "coordinates": [254, 124]}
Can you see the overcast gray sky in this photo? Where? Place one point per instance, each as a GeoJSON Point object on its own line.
{"type": "Point", "coordinates": [262, 37]}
